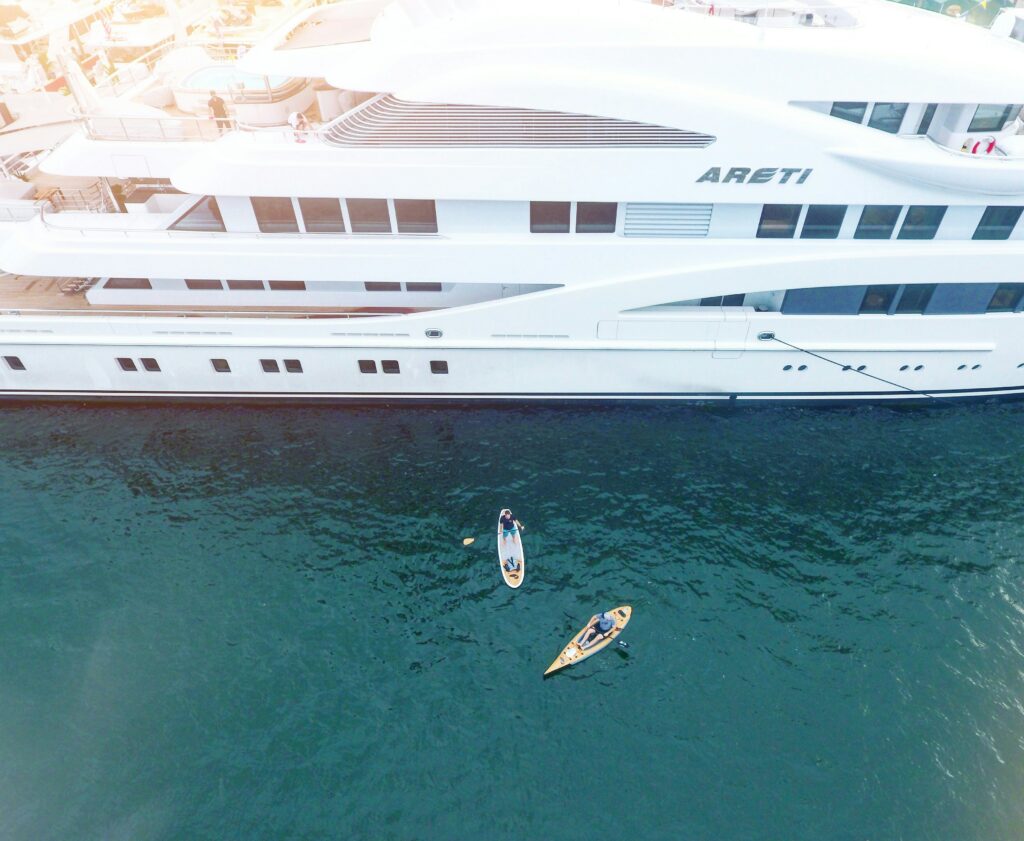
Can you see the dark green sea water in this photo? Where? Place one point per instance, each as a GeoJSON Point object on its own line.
{"type": "Point", "coordinates": [261, 623]}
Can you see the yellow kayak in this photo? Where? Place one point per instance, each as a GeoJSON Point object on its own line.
{"type": "Point", "coordinates": [574, 652]}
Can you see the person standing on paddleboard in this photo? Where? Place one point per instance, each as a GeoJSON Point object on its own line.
{"type": "Point", "coordinates": [597, 631]}
{"type": "Point", "coordinates": [509, 526]}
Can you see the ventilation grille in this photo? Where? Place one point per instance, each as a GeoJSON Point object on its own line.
{"type": "Point", "coordinates": [388, 121]}
{"type": "Point", "coordinates": [666, 220]}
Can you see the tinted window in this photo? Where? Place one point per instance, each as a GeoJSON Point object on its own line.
{"type": "Point", "coordinates": [205, 216]}
{"type": "Point", "coordinates": [990, 117]}
{"type": "Point", "coordinates": [203, 284]}
{"type": "Point", "coordinates": [416, 216]}
{"type": "Point", "coordinates": [549, 217]}
{"type": "Point", "coordinates": [438, 366]}
{"type": "Point", "coordinates": [14, 363]}
{"type": "Point", "coordinates": [270, 366]}
{"type": "Point", "coordinates": [220, 366]}
{"type": "Point", "coordinates": [852, 111]}
{"type": "Point", "coordinates": [888, 116]}
{"type": "Point", "coordinates": [1006, 298]}
{"type": "Point", "coordinates": [960, 298]}
{"type": "Point", "coordinates": [997, 222]}
{"type": "Point", "coordinates": [827, 300]}
{"type": "Point", "coordinates": [389, 366]}
{"type": "Point", "coordinates": [293, 366]}
{"type": "Point", "coordinates": [419, 286]}
{"type": "Point", "coordinates": [733, 300]}
{"type": "Point", "coordinates": [287, 285]}
{"type": "Point", "coordinates": [245, 284]}
{"type": "Point", "coordinates": [275, 215]}
{"type": "Point", "coordinates": [367, 366]}
{"type": "Point", "coordinates": [926, 119]}
{"type": "Point", "coordinates": [922, 221]}
{"type": "Point", "coordinates": [322, 216]}
{"type": "Point", "coordinates": [823, 221]}
{"type": "Point", "coordinates": [382, 286]}
{"type": "Point", "coordinates": [915, 297]}
{"type": "Point", "coordinates": [593, 217]}
{"type": "Point", "coordinates": [369, 216]}
{"type": "Point", "coordinates": [126, 364]}
{"type": "Point", "coordinates": [778, 221]}
{"type": "Point", "coordinates": [877, 221]}
{"type": "Point", "coordinates": [150, 364]}
{"type": "Point", "coordinates": [878, 298]}
{"type": "Point", "coordinates": [714, 301]}
{"type": "Point", "coordinates": [127, 283]}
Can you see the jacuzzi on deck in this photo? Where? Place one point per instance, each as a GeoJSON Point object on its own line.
{"type": "Point", "coordinates": [252, 100]}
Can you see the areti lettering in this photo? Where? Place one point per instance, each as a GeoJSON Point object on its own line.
{"type": "Point", "coordinates": [764, 175]}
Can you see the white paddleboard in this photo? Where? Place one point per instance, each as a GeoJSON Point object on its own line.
{"type": "Point", "coordinates": [511, 548]}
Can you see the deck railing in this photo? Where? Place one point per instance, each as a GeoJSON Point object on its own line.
{"type": "Point", "coordinates": [103, 127]}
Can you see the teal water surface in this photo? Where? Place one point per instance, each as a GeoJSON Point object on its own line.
{"type": "Point", "coordinates": [262, 623]}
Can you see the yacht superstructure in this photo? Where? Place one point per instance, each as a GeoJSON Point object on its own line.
{"type": "Point", "coordinates": [607, 199]}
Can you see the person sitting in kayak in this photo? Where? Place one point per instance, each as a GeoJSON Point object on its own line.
{"type": "Point", "coordinates": [597, 630]}
{"type": "Point", "coordinates": [509, 525]}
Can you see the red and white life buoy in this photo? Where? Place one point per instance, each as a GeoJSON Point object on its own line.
{"type": "Point", "coordinates": [985, 146]}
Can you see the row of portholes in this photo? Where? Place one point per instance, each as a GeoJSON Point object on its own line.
{"type": "Point", "coordinates": [790, 368]}
{"type": "Point", "coordinates": [964, 367]}
{"type": "Point", "coordinates": [902, 367]}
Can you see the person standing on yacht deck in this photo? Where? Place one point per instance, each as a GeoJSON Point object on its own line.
{"type": "Point", "coordinates": [300, 125]}
{"type": "Point", "coordinates": [218, 111]}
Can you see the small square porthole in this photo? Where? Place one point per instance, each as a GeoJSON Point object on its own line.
{"type": "Point", "coordinates": [220, 366]}
{"type": "Point", "coordinates": [438, 366]}
{"type": "Point", "coordinates": [14, 363]}
{"type": "Point", "coordinates": [270, 366]}
{"type": "Point", "coordinates": [367, 366]}
{"type": "Point", "coordinates": [126, 363]}
{"type": "Point", "coordinates": [390, 366]}
{"type": "Point", "coordinates": [293, 366]}
{"type": "Point", "coordinates": [150, 364]}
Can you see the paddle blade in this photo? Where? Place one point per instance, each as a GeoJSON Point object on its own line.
{"type": "Point", "coordinates": [467, 540]}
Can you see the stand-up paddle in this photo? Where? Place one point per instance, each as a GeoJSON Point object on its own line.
{"type": "Point", "coordinates": [582, 645]}
{"type": "Point", "coordinates": [511, 560]}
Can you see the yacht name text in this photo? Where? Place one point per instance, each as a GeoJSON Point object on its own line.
{"type": "Point", "coordinates": [746, 175]}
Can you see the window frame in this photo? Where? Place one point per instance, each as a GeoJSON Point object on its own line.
{"type": "Point", "coordinates": [390, 366]}
{"type": "Point", "coordinates": [287, 224]}
{"type": "Point", "coordinates": [367, 366]}
{"type": "Point", "coordinates": [204, 201]}
{"type": "Point", "coordinates": [596, 225]}
{"type": "Point", "coordinates": [823, 230]}
{"type": "Point", "coordinates": [15, 363]}
{"type": "Point", "coordinates": [293, 366]}
{"type": "Point", "coordinates": [992, 231]}
{"type": "Point", "coordinates": [150, 365]}
{"type": "Point", "coordinates": [428, 225]}
{"type": "Point", "coordinates": [987, 123]}
{"type": "Point", "coordinates": [838, 105]}
{"type": "Point", "coordinates": [885, 122]}
{"type": "Point", "coordinates": [919, 231]}
{"type": "Point", "coordinates": [376, 225]}
{"type": "Point", "coordinates": [541, 225]}
{"type": "Point", "coordinates": [438, 366]}
{"type": "Point", "coordinates": [270, 366]}
{"type": "Point", "coordinates": [127, 364]}
{"type": "Point", "coordinates": [873, 230]}
{"type": "Point", "coordinates": [131, 284]}
{"type": "Point", "coordinates": [286, 285]}
{"type": "Point", "coordinates": [197, 284]}
{"type": "Point", "coordinates": [382, 286]}
{"type": "Point", "coordinates": [783, 229]}
{"type": "Point", "coordinates": [221, 366]}
{"type": "Point", "coordinates": [319, 226]}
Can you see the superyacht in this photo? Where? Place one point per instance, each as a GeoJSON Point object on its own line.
{"type": "Point", "coordinates": [542, 200]}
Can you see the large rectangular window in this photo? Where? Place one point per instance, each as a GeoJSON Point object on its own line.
{"type": "Point", "coordinates": [778, 221]}
{"type": "Point", "coordinates": [926, 119]}
{"type": "Point", "coordinates": [997, 223]}
{"type": "Point", "coordinates": [275, 215]}
{"type": "Point", "coordinates": [382, 286]}
{"type": "Point", "coordinates": [423, 286]}
{"type": "Point", "coordinates": [960, 298]}
{"type": "Point", "coordinates": [204, 216]}
{"type": "Point", "coordinates": [877, 221]}
{"type": "Point", "coordinates": [1006, 298]}
{"type": "Point", "coordinates": [246, 285]}
{"type": "Point", "coordinates": [823, 221]}
{"type": "Point", "coordinates": [922, 221]}
{"type": "Point", "coordinates": [201, 283]}
{"type": "Point", "coordinates": [416, 216]}
{"type": "Point", "coordinates": [990, 117]}
{"type": "Point", "coordinates": [824, 300]}
{"type": "Point", "coordinates": [287, 285]}
{"type": "Point", "coordinates": [852, 111]}
{"type": "Point", "coordinates": [596, 217]}
{"type": "Point", "coordinates": [322, 216]}
{"type": "Point", "coordinates": [888, 116]}
{"type": "Point", "coordinates": [549, 217]}
{"type": "Point", "coordinates": [915, 297]}
{"type": "Point", "coordinates": [878, 298]}
{"type": "Point", "coordinates": [369, 216]}
{"type": "Point", "coordinates": [127, 283]}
